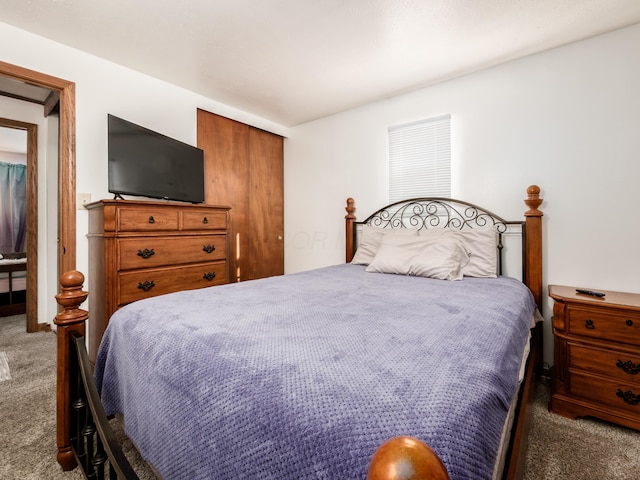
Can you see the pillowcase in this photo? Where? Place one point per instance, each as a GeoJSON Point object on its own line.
{"type": "Point", "coordinates": [372, 238]}
{"type": "Point", "coordinates": [442, 258]}
{"type": "Point", "coordinates": [482, 245]}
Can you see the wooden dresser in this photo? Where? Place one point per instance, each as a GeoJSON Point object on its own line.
{"type": "Point", "coordinates": [597, 355]}
{"type": "Point", "coordinates": [140, 249]}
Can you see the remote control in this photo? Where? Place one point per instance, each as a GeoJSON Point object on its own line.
{"type": "Point", "coordinates": [590, 292]}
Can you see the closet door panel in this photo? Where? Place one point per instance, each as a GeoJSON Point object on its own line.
{"type": "Point", "coordinates": [266, 204]}
{"type": "Point", "coordinates": [226, 155]}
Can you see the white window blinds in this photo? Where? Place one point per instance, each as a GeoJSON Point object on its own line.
{"type": "Point", "coordinates": [420, 159]}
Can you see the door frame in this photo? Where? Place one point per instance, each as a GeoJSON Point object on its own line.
{"type": "Point", "coordinates": [66, 167]}
{"type": "Point", "coordinates": [32, 220]}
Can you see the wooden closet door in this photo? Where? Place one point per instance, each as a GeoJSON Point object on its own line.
{"type": "Point", "coordinates": [226, 156]}
{"type": "Point", "coordinates": [266, 204]}
{"type": "Point", "coordinates": [244, 169]}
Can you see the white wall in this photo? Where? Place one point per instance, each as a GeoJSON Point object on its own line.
{"type": "Point", "coordinates": [12, 157]}
{"type": "Point", "coordinates": [101, 88]}
{"type": "Point", "coordinates": [567, 120]}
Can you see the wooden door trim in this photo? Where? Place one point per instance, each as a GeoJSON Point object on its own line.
{"type": "Point", "coordinates": [66, 158]}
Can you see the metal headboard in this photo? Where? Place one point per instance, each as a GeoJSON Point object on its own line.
{"type": "Point", "coordinates": [436, 212]}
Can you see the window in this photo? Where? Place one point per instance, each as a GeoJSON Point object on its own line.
{"type": "Point", "coordinates": [420, 159]}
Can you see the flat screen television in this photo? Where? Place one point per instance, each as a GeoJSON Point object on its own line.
{"type": "Point", "coordinates": [148, 164]}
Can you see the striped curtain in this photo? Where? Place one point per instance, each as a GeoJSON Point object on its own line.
{"type": "Point", "coordinates": [13, 207]}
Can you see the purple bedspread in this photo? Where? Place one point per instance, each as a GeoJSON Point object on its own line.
{"type": "Point", "coordinates": [303, 376]}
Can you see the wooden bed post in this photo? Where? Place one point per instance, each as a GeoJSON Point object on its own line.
{"type": "Point", "coordinates": [534, 244]}
{"type": "Point", "coordinates": [69, 319]}
{"type": "Point", "coordinates": [350, 219]}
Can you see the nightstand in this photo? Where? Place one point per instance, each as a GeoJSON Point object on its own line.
{"type": "Point", "coordinates": [597, 355]}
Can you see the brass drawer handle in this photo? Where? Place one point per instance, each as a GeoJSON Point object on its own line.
{"type": "Point", "coordinates": [205, 220]}
{"type": "Point", "coordinates": [209, 276]}
{"type": "Point", "coordinates": [146, 253]}
{"type": "Point", "coordinates": [208, 248]}
{"type": "Point", "coordinates": [629, 323]}
{"type": "Point", "coordinates": [146, 285]}
{"type": "Point", "coordinates": [589, 324]}
{"type": "Point", "coordinates": [151, 219]}
{"type": "Point", "coordinates": [628, 367]}
{"type": "Point", "coordinates": [628, 397]}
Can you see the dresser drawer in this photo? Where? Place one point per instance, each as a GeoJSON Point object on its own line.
{"type": "Point", "coordinates": [147, 252]}
{"type": "Point", "coordinates": [618, 395]}
{"type": "Point", "coordinates": [137, 285]}
{"type": "Point", "coordinates": [195, 219]}
{"type": "Point", "coordinates": [604, 325]}
{"type": "Point", "coordinates": [147, 219]}
{"type": "Point", "coordinates": [610, 363]}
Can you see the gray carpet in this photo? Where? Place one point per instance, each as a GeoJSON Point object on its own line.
{"type": "Point", "coordinates": [558, 448]}
{"type": "Point", "coordinates": [582, 449]}
{"type": "Point", "coordinates": [28, 405]}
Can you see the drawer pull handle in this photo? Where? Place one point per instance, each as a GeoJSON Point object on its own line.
{"type": "Point", "coordinates": [209, 275]}
{"type": "Point", "coordinates": [146, 285]}
{"type": "Point", "coordinates": [628, 397]}
{"type": "Point", "coordinates": [151, 219]}
{"type": "Point", "coordinates": [589, 324]}
{"type": "Point", "coordinates": [628, 367]}
{"type": "Point", "coordinates": [208, 248]}
{"type": "Point", "coordinates": [146, 253]}
{"type": "Point", "coordinates": [205, 220]}
{"type": "Point", "coordinates": [629, 323]}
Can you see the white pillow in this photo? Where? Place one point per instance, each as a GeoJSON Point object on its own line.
{"type": "Point", "coordinates": [482, 245]}
{"type": "Point", "coordinates": [371, 239]}
{"type": "Point", "coordinates": [441, 258]}
{"type": "Point", "coordinates": [435, 233]}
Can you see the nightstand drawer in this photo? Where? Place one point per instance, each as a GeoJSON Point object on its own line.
{"type": "Point", "coordinates": [618, 395]}
{"type": "Point", "coordinates": [604, 325]}
{"type": "Point", "coordinates": [137, 285]}
{"type": "Point", "coordinates": [145, 252]}
{"type": "Point", "coordinates": [609, 363]}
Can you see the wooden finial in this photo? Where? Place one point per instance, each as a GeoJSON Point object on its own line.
{"type": "Point", "coordinates": [350, 208]}
{"type": "Point", "coordinates": [71, 298]}
{"type": "Point", "coordinates": [406, 458]}
{"type": "Point", "coordinates": [533, 201]}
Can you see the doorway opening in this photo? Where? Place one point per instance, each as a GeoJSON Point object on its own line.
{"type": "Point", "coordinates": [21, 232]}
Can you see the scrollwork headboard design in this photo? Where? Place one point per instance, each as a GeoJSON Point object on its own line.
{"type": "Point", "coordinates": [422, 213]}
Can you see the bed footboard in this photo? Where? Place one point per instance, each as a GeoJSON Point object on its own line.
{"type": "Point", "coordinates": [84, 434]}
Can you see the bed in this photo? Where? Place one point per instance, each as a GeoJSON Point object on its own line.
{"type": "Point", "coordinates": [308, 375]}
{"type": "Point", "coordinates": [13, 284]}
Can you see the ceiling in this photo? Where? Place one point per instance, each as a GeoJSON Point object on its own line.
{"type": "Point", "coordinates": [293, 61]}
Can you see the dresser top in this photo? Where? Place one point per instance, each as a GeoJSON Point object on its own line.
{"type": "Point", "coordinates": [151, 203]}
{"type": "Point", "coordinates": [611, 298]}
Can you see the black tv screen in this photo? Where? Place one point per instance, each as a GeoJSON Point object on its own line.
{"type": "Point", "coordinates": [148, 164]}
